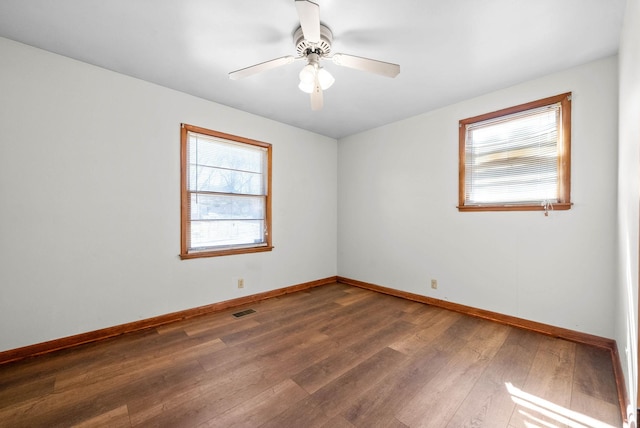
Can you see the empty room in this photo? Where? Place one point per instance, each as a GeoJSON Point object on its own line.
{"type": "Point", "coordinates": [297, 213]}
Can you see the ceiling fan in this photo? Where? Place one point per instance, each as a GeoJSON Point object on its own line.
{"type": "Point", "coordinates": [313, 43]}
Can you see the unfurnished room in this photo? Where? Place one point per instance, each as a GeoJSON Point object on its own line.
{"type": "Point", "coordinates": [312, 213]}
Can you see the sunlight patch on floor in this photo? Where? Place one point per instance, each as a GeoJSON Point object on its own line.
{"type": "Point", "coordinates": [532, 408]}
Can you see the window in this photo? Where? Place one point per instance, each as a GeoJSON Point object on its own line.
{"type": "Point", "coordinates": [518, 158]}
{"type": "Point", "coordinates": [225, 194]}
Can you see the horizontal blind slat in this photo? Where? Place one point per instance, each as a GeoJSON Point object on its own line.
{"type": "Point", "coordinates": [514, 158]}
{"type": "Point", "coordinates": [227, 193]}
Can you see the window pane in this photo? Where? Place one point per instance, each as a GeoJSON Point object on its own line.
{"type": "Point", "coordinates": [215, 152]}
{"type": "Point", "coordinates": [208, 234]}
{"type": "Point", "coordinates": [216, 165]}
{"type": "Point", "coordinates": [513, 159]}
{"type": "Point", "coordinates": [219, 207]}
{"type": "Point", "coordinates": [211, 179]}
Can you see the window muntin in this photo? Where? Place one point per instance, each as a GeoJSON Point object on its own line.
{"type": "Point", "coordinates": [226, 205]}
{"type": "Point", "coordinates": [517, 158]}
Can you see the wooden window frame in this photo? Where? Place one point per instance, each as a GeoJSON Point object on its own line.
{"type": "Point", "coordinates": [564, 157]}
{"type": "Point", "coordinates": [185, 217]}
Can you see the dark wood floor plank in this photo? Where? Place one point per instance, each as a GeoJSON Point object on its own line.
{"type": "Point", "coordinates": [338, 422]}
{"type": "Point", "coordinates": [317, 375]}
{"type": "Point", "coordinates": [439, 399]}
{"type": "Point", "coordinates": [427, 332]}
{"type": "Point", "coordinates": [330, 356]}
{"type": "Point", "coordinates": [261, 408]}
{"type": "Point", "coordinates": [113, 384]}
{"type": "Point", "coordinates": [550, 380]}
{"type": "Point", "coordinates": [222, 326]}
{"type": "Point", "coordinates": [204, 322]}
{"type": "Point", "coordinates": [266, 348]}
{"type": "Point", "coordinates": [118, 417]}
{"type": "Point", "coordinates": [379, 406]}
{"type": "Point", "coordinates": [26, 391]}
{"type": "Point", "coordinates": [282, 325]}
{"type": "Point", "coordinates": [305, 351]}
{"type": "Point", "coordinates": [231, 382]}
{"type": "Point", "coordinates": [283, 308]}
{"type": "Point", "coordinates": [489, 402]}
{"type": "Point", "coordinates": [420, 314]}
{"type": "Point", "coordinates": [334, 397]}
{"type": "Point", "coordinates": [197, 400]}
{"type": "Point", "coordinates": [77, 358]}
{"type": "Point", "coordinates": [352, 298]}
{"type": "Point", "coordinates": [593, 411]}
{"type": "Point", "coordinates": [73, 406]}
{"type": "Point", "coordinates": [357, 319]}
{"type": "Point", "coordinates": [137, 366]}
{"type": "Point", "coordinates": [594, 373]}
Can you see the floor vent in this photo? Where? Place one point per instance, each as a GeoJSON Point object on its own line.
{"type": "Point", "coordinates": [243, 313]}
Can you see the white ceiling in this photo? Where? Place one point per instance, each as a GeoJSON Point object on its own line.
{"type": "Point", "coordinates": [448, 50]}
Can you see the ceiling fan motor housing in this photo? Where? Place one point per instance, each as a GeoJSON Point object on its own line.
{"type": "Point", "coordinates": [304, 47]}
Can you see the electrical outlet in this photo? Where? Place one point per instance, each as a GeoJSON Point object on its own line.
{"type": "Point", "coordinates": [434, 284]}
{"type": "Point", "coordinates": [240, 282]}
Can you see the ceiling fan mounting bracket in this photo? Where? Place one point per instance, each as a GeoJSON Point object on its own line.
{"type": "Point", "coordinates": [304, 47]}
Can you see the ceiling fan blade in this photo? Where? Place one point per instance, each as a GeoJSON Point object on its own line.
{"type": "Point", "coordinates": [316, 97]}
{"type": "Point", "coordinates": [365, 64]}
{"type": "Point", "coordinates": [263, 66]}
{"type": "Point", "coordinates": [309, 15]}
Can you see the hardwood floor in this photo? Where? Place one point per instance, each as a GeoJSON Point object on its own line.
{"type": "Point", "coordinates": [331, 356]}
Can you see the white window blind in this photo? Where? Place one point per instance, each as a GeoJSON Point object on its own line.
{"type": "Point", "coordinates": [227, 193]}
{"type": "Point", "coordinates": [514, 159]}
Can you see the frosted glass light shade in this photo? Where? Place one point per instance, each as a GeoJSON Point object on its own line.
{"type": "Point", "coordinates": [308, 73]}
{"type": "Point", "coordinates": [325, 79]}
{"type": "Point", "coordinates": [306, 86]}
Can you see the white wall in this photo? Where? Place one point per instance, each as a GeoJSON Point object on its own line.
{"type": "Point", "coordinates": [90, 201]}
{"type": "Point", "coordinates": [398, 225]}
{"type": "Point", "coordinates": [626, 333]}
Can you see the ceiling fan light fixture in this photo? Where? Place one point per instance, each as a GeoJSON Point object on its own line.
{"type": "Point", "coordinates": [306, 87]}
{"type": "Point", "coordinates": [308, 73]}
{"type": "Point", "coordinates": [325, 79]}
